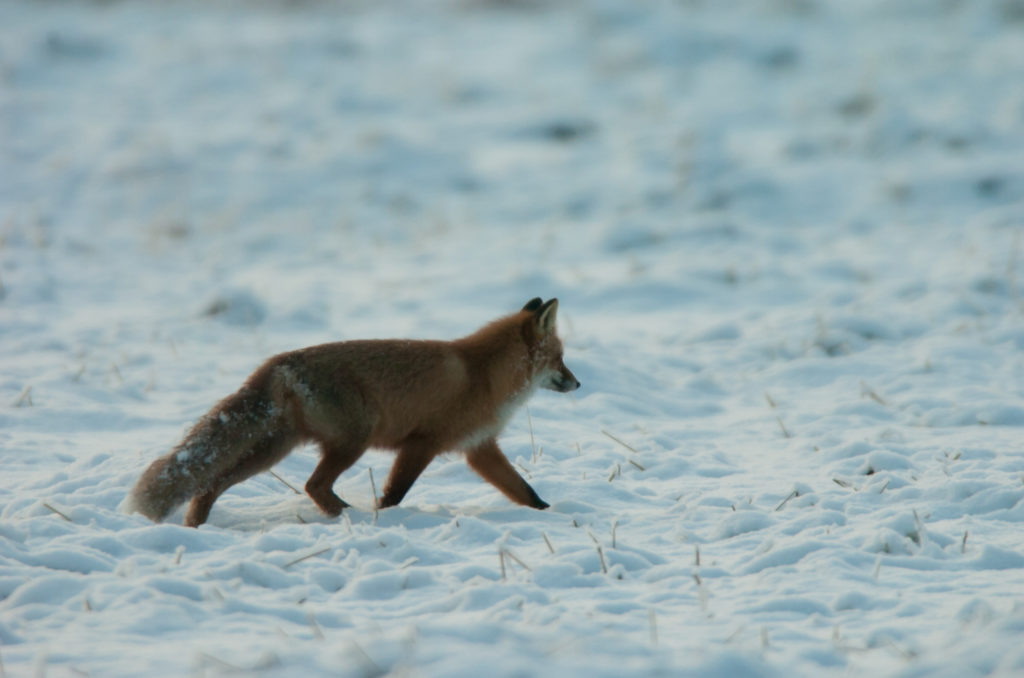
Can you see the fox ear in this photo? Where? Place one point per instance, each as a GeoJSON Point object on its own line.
{"type": "Point", "coordinates": [533, 304]}
{"type": "Point", "coordinates": [546, 317]}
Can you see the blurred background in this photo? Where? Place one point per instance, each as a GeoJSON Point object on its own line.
{"type": "Point", "coordinates": [295, 164]}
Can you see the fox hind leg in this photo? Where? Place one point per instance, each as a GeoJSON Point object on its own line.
{"type": "Point", "coordinates": [337, 458]}
{"type": "Point", "coordinates": [264, 454]}
{"type": "Point", "coordinates": [413, 457]}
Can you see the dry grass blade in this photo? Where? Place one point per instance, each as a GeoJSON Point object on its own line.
{"type": "Point", "coordinates": [785, 431]}
{"type": "Point", "coordinates": [306, 557]}
{"type": "Point", "coordinates": [794, 493]}
{"type": "Point", "coordinates": [547, 541]}
{"type": "Point", "coordinates": [501, 560]}
{"type": "Point", "coordinates": [59, 513]}
{"type": "Point", "coordinates": [600, 552]}
{"type": "Point", "coordinates": [317, 631]}
{"type": "Point", "coordinates": [371, 668]}
{"type": "Point", "coordinates": [615, 525]}
{"type": "Point", "coordinates": [219, 663]}
{"type": "Point", "coordinates": [284, 482]}
{"type": "Point", "coordinates": [519, 562]}
{"type": "Point", "coordinates": [963, 542]}
{"type": "Point", "coordinates": [870, 392]}
{"type": "Point", "coordinates": [25, 399]}
{"type": "Point", "coordinates": [373, 488]}
{"type": "Point", "coordinates": [533, 445]}
{"type": "Point", "coordinates": [600, 555]}
{"type": "Point", "coordinates": [637, 464]}
{"type": "Point", "coordinates": [620, 442]}
{"type": "Point", "coordinates": [771, 403]}
{"type": "Point", "coordinates": [652, 620]}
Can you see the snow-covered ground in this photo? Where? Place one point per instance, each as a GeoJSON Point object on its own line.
{"type": "Point", "coordinates": [786, 236]}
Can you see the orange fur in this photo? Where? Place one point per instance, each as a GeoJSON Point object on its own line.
{"type": "Point", "coordinates": [417, 398]}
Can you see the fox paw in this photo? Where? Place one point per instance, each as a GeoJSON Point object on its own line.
{"type": "Point", "coordinates": [332, 505]}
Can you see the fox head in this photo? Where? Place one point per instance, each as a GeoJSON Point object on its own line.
{"type": "Point", "coordinates": [549, 371]}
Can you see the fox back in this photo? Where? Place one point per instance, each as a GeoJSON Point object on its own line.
{"type": "Point", "coordinates": [418, 398]}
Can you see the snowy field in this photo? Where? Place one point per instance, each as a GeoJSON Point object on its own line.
{"type": "Point", "coordinates": [786, 236]}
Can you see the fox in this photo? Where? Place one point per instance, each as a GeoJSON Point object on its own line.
{"type": "Point", "coordinates": [417, 398]}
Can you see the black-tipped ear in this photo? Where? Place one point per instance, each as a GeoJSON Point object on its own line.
{"type": "Point", "coordinates": [546, 316]}
{"type": "Point", "coordinates": [533, 304]}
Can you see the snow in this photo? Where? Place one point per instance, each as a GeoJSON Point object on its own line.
{"type": "Point", "coordinates": [786, 240]}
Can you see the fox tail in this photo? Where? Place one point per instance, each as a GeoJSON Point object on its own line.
{"type": "Point", "coordinates": [218, 442]}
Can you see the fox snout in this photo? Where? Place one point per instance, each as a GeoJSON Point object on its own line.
{"type": "Point", "coordinates": [563, 381]}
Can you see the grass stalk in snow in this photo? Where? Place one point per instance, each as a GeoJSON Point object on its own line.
{"type": "Point", "coordinates": [870, 392]}
{"type": "Point", "coordinates": [963, 542]}
{"type": "Point", "coordinates": [652, 621]}
{"type": "Point", "coordinates": [373, 488]}
{"type": "Point", "coordinates": [702, 592]}
{"type": "Point", "coordinates": [370, 667]}
{"type": "Point", "coordinates": [25, 399]}
{"type": "Point", "coordinates": [59, 513]}
{"type": "Point", "coordinates": [517, 560]}
{"type": "Point", "coordinates": [627, 446]}
{"type": "Point", "coordinates": [785, 431]}
{"type": "Point", "coordinates": [547, 541]}
{"type": "Point", "coordinates": [533, 444]}
{"type": "Point", "coordinates": [207, 659]}
{"type": "Point", "coordinates": [615, 525]}
{"type": "Point", "coordinates": [306, 557]}
{"type": "Point", "coordinates": [284, 482]}
{"type": "Point", "coordinates": [791, 495]}
{"type": "Point", "coordinates": [318, 633]}
{"type": "Point", "coordinates": [600, 552]}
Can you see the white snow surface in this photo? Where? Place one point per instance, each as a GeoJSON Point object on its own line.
{"type": "Point", "coordinates": [786, 239]}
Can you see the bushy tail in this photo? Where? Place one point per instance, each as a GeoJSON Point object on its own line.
{"type": "Point", "coordinates": [162, 487]}
{"type": "Point", "coordinates": [215, 444]}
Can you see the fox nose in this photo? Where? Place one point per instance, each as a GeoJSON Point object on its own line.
{"type": "Point", "coordinates": [569, 383]}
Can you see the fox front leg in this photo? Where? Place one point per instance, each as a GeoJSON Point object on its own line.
{"type": "Point", "coordinates": [493, 466]}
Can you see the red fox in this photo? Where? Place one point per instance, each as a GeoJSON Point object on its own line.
{"type": "Point", "coordinates": [418, 398]}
